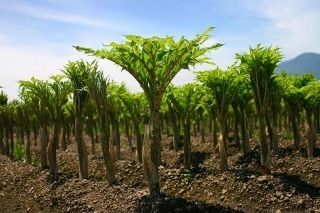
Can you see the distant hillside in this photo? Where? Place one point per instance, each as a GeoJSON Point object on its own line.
{"type": "Point", "coordinates": [306, 62]}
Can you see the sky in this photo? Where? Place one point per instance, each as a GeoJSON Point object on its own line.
{"type": "Point", "coordinates": [36, 36]}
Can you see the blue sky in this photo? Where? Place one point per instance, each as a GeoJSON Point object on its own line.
{"type": "Point", "coordinates": [36, 36]}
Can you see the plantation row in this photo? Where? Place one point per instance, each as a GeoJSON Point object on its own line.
{"type": "Point", "coordinates": [249, 94]}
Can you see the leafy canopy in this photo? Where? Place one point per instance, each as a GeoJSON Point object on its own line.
{"type": "Point", "coordinates": [223, 85]}
{"type": "Point", "coordinates": [155, 61]}
{"type": "Point", "coordinates": [260, 63]}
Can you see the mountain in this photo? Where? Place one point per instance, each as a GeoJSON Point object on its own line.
{"type": "Point", "coordinates": [306, 62]}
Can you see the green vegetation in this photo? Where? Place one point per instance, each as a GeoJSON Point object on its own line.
{"type": "Point", "coordinates": [19, 152]}
{"type": "Point", "coordinates": [238, 103]}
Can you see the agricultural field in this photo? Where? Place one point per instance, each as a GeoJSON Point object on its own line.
{"type": "Point", "coordinates": [244, 139]}
{"type": "Point", "coordinates": [292, 187]}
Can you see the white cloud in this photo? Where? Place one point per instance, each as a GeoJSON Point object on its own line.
{"type": "Point", "coordinates": [281, 25]}
{"type": "Point", "coordinates": [294, 24]}
{"type": "Point", "coordinates": [68, 17]}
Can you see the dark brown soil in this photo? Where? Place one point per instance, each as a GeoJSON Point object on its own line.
{"type": "Point", "coordinates": [294, 185]}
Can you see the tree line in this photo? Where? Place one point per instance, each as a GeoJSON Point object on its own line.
{"type": "Point", "coordinates": [81, 100]}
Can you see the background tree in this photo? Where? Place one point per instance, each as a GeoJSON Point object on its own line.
{"type": "Point", "coordinates": [36, 92]}
{"type": "Point", "coordinates": [3, 103]}
{"type": "Point", "coordinates": [154, 62]}
{"type": "Point", "coordinates": [310, 102]}
{"type": "Point", "coordinates": [78, 72]}
{"type": "Point", "coordinates": [3, 126]}
{"type": "Point", "coordinates": [260, 63]}
{"type": "Point", "coordinates": [185, 100]}
{"type": "Point", "coordinates": [137, 108]}
{"type": "Point", "coordinates": [276, 94]}
{"type": "Point", "coordinates": [174, 117]}
{"type": "Point", "coordinates": [293, 97]}
{"type": "Point", "coordinates": [59, 91]}
{"type": "Point", "coordinates": [243, 97]}
{"type": "Point", "coordinates": [223, 87]}
{"type": "Point", "coordinates": [97, 86]}
{"type": "Point", "coordinates": [90, 112]}
{"type": "Point", "coordinates": [24, 113]}
{"type": "Point", "coordinates": [115, 110]}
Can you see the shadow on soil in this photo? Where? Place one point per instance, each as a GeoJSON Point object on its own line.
{"type": "Point", "coordinates": [166, 204]}
{"type": "Point", "coordinates": [294, 181]}
{"type": "Point", "coordinates": [58, 179]}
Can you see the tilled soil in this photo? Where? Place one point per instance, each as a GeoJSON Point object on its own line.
{"type": "Point", "coordinates": [294, 185]}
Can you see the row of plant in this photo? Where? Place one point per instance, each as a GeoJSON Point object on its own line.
{"type": "Point", "coordinates": [247, 94]}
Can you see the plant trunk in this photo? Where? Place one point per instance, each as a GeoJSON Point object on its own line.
{"type": "Point", "coordinates": [22, 135]}
{"type": "Point", "coordinates": [275, 139]}
{"type": "Point", "coordinates": [214, 133]}
{"type": "Point", "coordinates": [63, 138]}
{"type": "Point", "coordinates": [186, 144]}
{"type": "Point", "coordinates": [92, 139]}
{"type": "Point", "coordinates": [311, 134]}
{"type": "Point", "coordinates": [1, 138]}
{"type": "Point", "coordinates": [107, 150]}
{"type": "Point", "coordinates": [264, 146]}
{"type": "Point", "coordinates": [152, 149]}
{"type": "Point", "coordinates": [28, 145]}
{"type": "Point", "coordinates": [222, 146]}
{"type": "Point", "coordinates": [244, 133]}
{"type": "Point", "coordinates": [210, 122]}
{"type": "Point", "coordinates": [176, 130]}
{"type": "Point", "coordinates": [35, 133]}
{"type": "Point", "coordinates": [95, 126]}
{"type": "Point", "coordinates": [149, 168]}
{"type": "Point", "coordinates": [236, 124]}
{"type": "Point", "coordinates": [139, 142]}
{"type": "Point", "coordinates": [127, 132]}
{"type": "Point", "coordinates": [202, 128]}
{"type": "Point", "coordinates": [82, 149]}
{"type": "Point", "coordinates": [52, 149]}
{"type": "Point", "coordinates": [167, 132]}
{"type": "Point", "coordinates": [195, 134]}
{"type": "Point", "coordinates": [317, 119]}
{"type": "Point", "coordinates": [43, 143]}
{"type": "Point", "coordinates": [6, 141]}
{"type": "Point", "coordinates": [250, 126]}
{"type": "Point", "coordinates": [269, 133]}
{"type": "Point", "coordinates": [11, 142]}
{"type": "Point", "coordinates": [295, 127]}
{"type": "Point", "coordinates": [155, 137]}
{"type": "Point", "coordinates": [116, 136]}
{"type": "Point", "coordinates": [280, 121]}
{"type": "Point", "coordinates": [275, 136]}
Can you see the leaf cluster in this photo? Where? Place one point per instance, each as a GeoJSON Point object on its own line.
{"type": "Point", "coordinates": [155, 61]}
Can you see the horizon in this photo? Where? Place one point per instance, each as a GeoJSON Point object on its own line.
{"type": "Point", "coordinates": [36, 37]}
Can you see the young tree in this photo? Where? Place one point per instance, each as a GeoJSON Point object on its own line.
{"type": "Point", "coordinates": [277, 91]}
{"type": "Point", "coordinates": [154, 62]}
{"type": "Point", "coordinates": [174, 116]}
{"type": "Point", "coordinates": [223, 86]}
{"type": "Point", "coordinates": [24, 113]}
{"type": "Point", "coordinates": [36, 92]}
{"type": "Point", "coordinates": [90, 114]}
{"type": "Point", "coordinates": [115, 111]}
{"type": "Point", "coordinates": [260, 64]}
{"type": "Point", "coordinates": [137, 107]}
{"type": "Point", "coordinates": [59, 90]}
{"type": "Point", "coordinates": [310, 102]}
{"type": "Point", "coordinates": [3, 103]}
{"type": "Point", "coordinates": [293, 97]}
{"type": "Point", "coordinates": [243, 96]}
{"type": "Point", "coordinates": [185, 100]}
{"type": "Point", "coordinates": [78, 72]}
{"type": "Point", "coordinates": [97, 86]}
